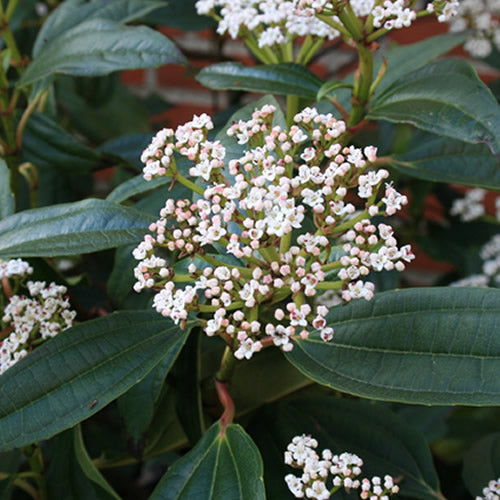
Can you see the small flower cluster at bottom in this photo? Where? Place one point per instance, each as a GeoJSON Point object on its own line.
{"type": "Point", "coordinates": [345, 469]}
{"type": "Point", "coordinates": [492, 491]}
{"type": "Point", "coordinates": [29, 320]}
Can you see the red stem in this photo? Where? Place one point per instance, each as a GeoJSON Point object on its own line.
{"type": "Point", "coordinates": [226, 402]}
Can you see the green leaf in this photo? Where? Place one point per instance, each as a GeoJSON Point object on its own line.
{"type": "Point", "coordinates": [88, 467]}
{"type": "Point", "coordinates": [181, 15]}
{"type": "Point", "coordinates": [436, 346]}
{"type": "Point", "coordinates": [187, 372]}
{"type": "Point", "coordinates": [445, 98]}
{"type": "Point", "coordinates": [128, 147]}
{"type": "Point", "coordinates": [283, 79]}
{"type": "Point", "coordinates": [73, 12]}
{"type": "Point", "coordinates": [6, 197]}
{"type": "Point", "coordinates": [48, 145]}
{"type": "Point", "coordinates": [133, 187]}
{"type": "Point", "coordinates": [482, 464]}
{"type": "Point", "coordinates": [66, 479]}
{"type": "Point", "coordinates": [224, 464]}
{"type": "Point", "coordinates": [71, 228]}
{"type": "Point", "coordinates": [137, 405]}
{"type": "Point", "coordinates": [76, 374]}
{"type": "Point", "coordinates": [384, 441]}
{"type": "Point", "coordinates": [9, 464]}
{"type": "Point", "coordinates": [405, 59]}
{"type": "Point", "coordinates": [328, 87]}
{"type": "Point", "coordinates": [441, 159]}
{"type": "Point", "coordinates": [98, 47]}
{"type": "Point", "coordinates": [127, 110]}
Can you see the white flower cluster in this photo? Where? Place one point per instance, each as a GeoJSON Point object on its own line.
{"type": "Point", "coordinates": [14, 268]}
{"type": "Point", "coordinates": [345, 469]}
{"type": "Point", "coordinates": [481, 17]}
{"type": "Point", "coordinates": [387, 14]}
{"type": "Point", "coordinates": [471, 207]}
{"type": "Point", "coordinates": [490, 253]}
{"type": "Point", "coordinates": [492, 491]}
{"type": "Point", "coordinates": [272, 22]}
{"type": "Point", "coordinates": [284, 180]}
{"type": "Point", "coordinates": [31, 319]}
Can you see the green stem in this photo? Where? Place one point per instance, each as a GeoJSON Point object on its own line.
{"type": "Point", "coordinates": [227, 365]}
{"type": "Point", "coordinates": [329, 285]}
{"type": "Point", "coordinates": [186, 182]}
{"type": "Point", "coordinates": [10, 9]}
{"type": "Point", "coordinates": [361, 91]}
{"type": "Point", "coordinates": [336, 26]}
{"type": "Point", "coordinates": [312, 51]}
{"type": "Point", "coordinates": [351, 22]}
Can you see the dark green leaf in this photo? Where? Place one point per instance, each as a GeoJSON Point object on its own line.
{"type": "Point", "coordinates": [283, 79]}
{"type": "Point", "coordinates": [88, 467]}
{"type": "Point", "coordinates": [405, 59]}
{"type": "Point", "coordinates": [135, 186]}
{"type": "Point", "coordinates": [180, 15]}
{"type": "Point", "coordinates": [129, 147]}
{"type": "Point", "coordinates": [74, 375]}
{"type": "Point", "coordinates": [328, 87]}
{"type": "Point", "coordinates": [6, 197]}
{"type": "Point", "coordinates": [384, 441]}
{"type": "Point", "coordinates": [73, 12]}
{"type": "Point", "coordinates": [10, 462]}
{"type": "Point", "coordinates": [138, 404]}
{"type": "Point", "coordinates": [71, 228]}
{"type": "Point", "coordinates": [224, 464]}
{"type": "Point", "coordinates": [250, 385]}
{"type": "Point", "coordinates": [128, 114]}
{"type": "Point", "coordinates": [98, 47]}
{"type": "Point", "coordinates": [482, 464]}
{"type": "Point", "coordinates": [441, 159]}
{"type": "Point", "coordinates": [445, 98]}
{"type": "Point", "coordinates": [48, 145]}
{"type": "Point", "coordinates": [65, 477]}
{"type": "Point", "coordinates": [187, 372]}
{"type": "Point", "coordinates": [435, 346]}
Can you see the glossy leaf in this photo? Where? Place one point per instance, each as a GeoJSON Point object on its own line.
{"type": "Point", "coordinates": [98, 47]}
{"type": "Point", "coordinates": [435, 346]}
{"type": "Point", "coordinates": [48, 145]}
{"type": "Point", "coordinates": [128, 147]}
{"type": "Point", "coordinates": [404, 59]}
{"type": "Point", "coordinates": [482, 464]}
{"type": "Point", "coordinates": [133, 187]}
{"type": "Point", "coordinates": [189, 405]}
{"type": "Point", "coordinates": [224, 464]}
{"type": "Point", "coordinates": [88, 467]}
{"type": "Point", "coordinates": [445, 98]}
{"type": "Point", "coordinates": [328, 87]}
{"type": "Point", "coordinates": [73, 12]}
{"type": "Point", "coordinates": [6, 197]}
{"type": "Point", "coordinates": [441, 159]}
{"type": "Point", "coordinates": [74, 375]}
{"type": "Point", "coordinates": [283, 79]}
{"type": "Point", "coordinates": [66, 479]}
{"type": "Point", "coordinates": [71, 228]}
{"type": "Point", "coordinates": [180, 15]}
{"type": "Point", "coordinates": [384, 441]}
{"type": "Point", "coordinates": [137, 405]}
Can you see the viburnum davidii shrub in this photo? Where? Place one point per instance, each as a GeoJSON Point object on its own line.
{"type": "Point", "coordinates": [249, 284]}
